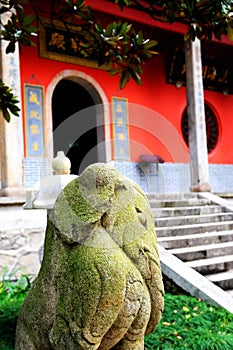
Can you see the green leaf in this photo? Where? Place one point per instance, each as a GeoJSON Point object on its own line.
{"type": "Point", "coordinates": [14, 109]}
{"type": "Point", "coordinates": [3, 9]}
{"type": "Point", "coordinates": [124, 78]}
{"type": "Point", "coordinates": [8, 102]}
{"type": "Point", "coordinates": [230, 32]}
{"type": "Point", "coordinates": [150, 43]}
{"type": "Point", "coordinates": [123, 3]}
{"type": "Point", "coordinates": [126, 27]}
{"type": "Point", "coordinates": [115, 71]}
{"type": "Point", "coordinates": [28, 20]}
{"type": "Point", "coordinates": [21, 14]}
{"type": "Point", "coordinates": [190, 34]}
{"type": "Point", "coordinates": [10, 47]}
{"type": "Point", "coordinates": [32, 29]}
{"type": "Point", "coordinates": [136, 77]}
{"type": "Point", "coordinates": [98, 28]}
{"type": "Point", "coordinates": [6, 115]}
{"type": "Point", "coordinates": [109, 30]}
{"type": "Point", "coordinates": [79, 3]}
{"type": "Point", "coordinates": [9, 26]}
{"type": "Point", "coordinates": [187, 35]}
{"type": "Point", "coordinates": [139, 37]}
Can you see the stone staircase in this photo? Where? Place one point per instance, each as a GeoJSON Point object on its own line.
{"type": "Point", "coordinates": [198, 231]}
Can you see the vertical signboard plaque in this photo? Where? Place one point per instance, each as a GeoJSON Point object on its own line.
{"type": "Point", "coordinates": [120, 128]}
{"type": "Point", "coordinates": [34, 120]}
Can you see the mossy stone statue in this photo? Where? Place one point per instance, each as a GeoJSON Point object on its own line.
{"type": "Point", "coordinates": [100, 283]}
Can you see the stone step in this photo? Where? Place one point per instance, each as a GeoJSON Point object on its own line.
{"type": "Point", "coordinates": [203, 251]}
{"type": "Point", "coordinates": [194, 210]}
{"type": "Point", "coordinates": [230, 291]}
{"type": "Point", "coordinates": [178, 203]}
{"type": "Point", "coordinates": [199, 233]}
{"type": "Point", "coordinates": [193, 219]}
{"type": "Point", "coordinates": [195, 239]}
{"type": "Point", "coordinates": [171, 196]}
{"type": "Point", "coordinates": [223, 280]}
{"type": "Point", "coordinates": [11, 203]}
{"type": "Point", "coordinates": [192, 281]}
{"type": "Point", "coordinates": [212, 265]}
{"type": "Point", "coordinates": [194, 228]}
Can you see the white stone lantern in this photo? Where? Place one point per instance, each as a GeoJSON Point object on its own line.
{"type": "Point", "coordinates": [52, 185]}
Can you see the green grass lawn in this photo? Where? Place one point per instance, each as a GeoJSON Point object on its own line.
{"type": "Point", "coordinates": [187, 323]}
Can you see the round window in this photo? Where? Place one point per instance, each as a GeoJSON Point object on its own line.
{"type": "Point", "coordinates": [212, 130]}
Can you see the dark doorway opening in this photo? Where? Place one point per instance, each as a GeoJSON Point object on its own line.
{"type": "Point", "coordinates": [72, 99]}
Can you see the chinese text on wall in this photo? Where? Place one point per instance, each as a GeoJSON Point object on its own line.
{"type": "Point", "coordinates": [120, 128]}
{"type": "Point", "coordinates": [34, 120]}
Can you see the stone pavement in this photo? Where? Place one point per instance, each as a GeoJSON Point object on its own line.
{"type": "Point", "coordinates": [21, 237]}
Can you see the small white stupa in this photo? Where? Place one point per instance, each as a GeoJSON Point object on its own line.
{"type": "Point", "coordinates": [52, 185]}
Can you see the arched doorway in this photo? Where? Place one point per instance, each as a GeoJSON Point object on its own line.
{"type": "Point", "coordinates": [73, 98]}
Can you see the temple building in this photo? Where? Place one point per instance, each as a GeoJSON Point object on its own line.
{"type": "Point", "coordinates": [70, 104]}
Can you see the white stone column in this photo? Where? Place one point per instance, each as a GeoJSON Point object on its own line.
{"type": "Point", "coordinates": [196, 118]}
{"type": "Point", "coordinates": [11, 134]}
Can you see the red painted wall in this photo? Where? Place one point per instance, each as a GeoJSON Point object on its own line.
{"type": "Point", "coordinates": [155, 108]}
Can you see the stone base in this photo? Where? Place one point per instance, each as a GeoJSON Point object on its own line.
{"type": "Point", "coordinates": [202, 187]}
{"type": "Point", "coordinates": [18, 192]}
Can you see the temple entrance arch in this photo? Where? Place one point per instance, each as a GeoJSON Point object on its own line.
{"type": "Point", "coordinates": [78, 120]}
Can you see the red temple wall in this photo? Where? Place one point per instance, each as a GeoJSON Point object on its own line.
{"type": "Point", "coordinates": [155, 108]}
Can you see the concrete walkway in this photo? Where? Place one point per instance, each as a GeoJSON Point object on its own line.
{"type": "Point", "coordinates": [21, 237]}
